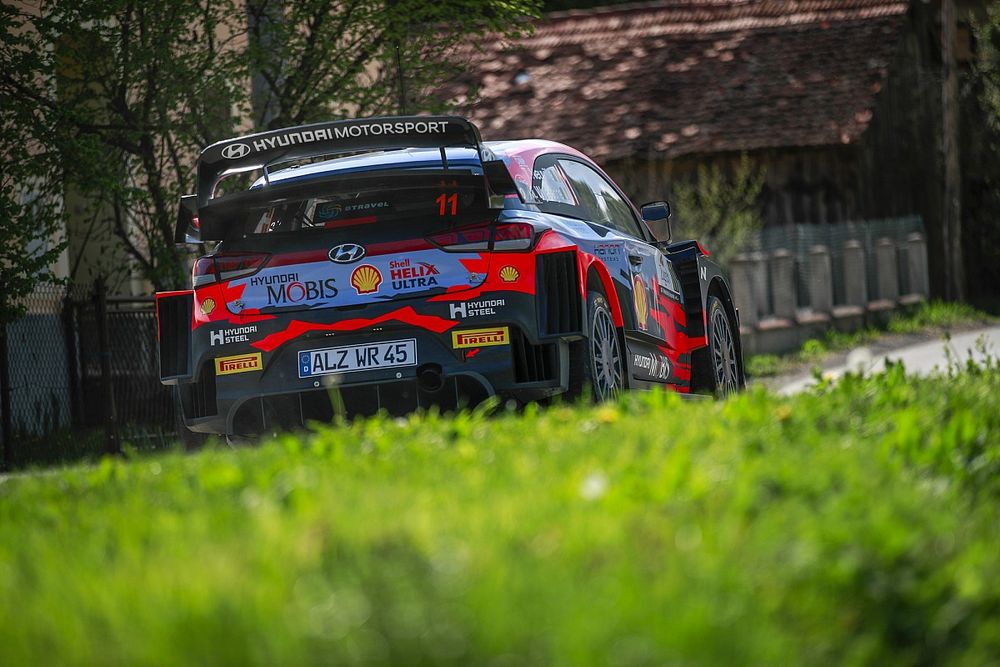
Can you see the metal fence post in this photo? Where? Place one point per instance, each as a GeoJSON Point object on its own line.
{"type": "Point", "coordinates": [8, 427]}
{"type": "Point", "coordinates": [112, 440]}
{"type": "Point", "coordinates": [69, 317]}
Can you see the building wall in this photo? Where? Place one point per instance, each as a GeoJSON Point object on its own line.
{"type": "Point", "coordinates": [894, 170]}
{"type": "Point", "coordinates": [802, 185]}
{"type": "Point", "coordinates": [900, 161]}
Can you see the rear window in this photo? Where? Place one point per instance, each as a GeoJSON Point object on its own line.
{"type": "Point", "coordinates": [323, 213]}
{"type": "Point", "coordinates": [446, 201]}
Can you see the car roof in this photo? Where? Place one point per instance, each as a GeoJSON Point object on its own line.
{"type": "Point", "coordinates": [417, 158]}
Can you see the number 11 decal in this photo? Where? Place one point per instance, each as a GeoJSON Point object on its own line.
{"type": "Point", "coordinates": [443, 201]}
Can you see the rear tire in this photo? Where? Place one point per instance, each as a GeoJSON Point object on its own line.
{"type": "Point", "coordinates": [727, 371]}
{"type": "Point", "coordinates": [597, 364]}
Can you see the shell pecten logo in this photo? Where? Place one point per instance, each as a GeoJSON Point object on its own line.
{"type": "Point", "coordinates": [240, 363]}
{"type": "Point", "coordinates": [509, 274]}
{"type": "Point", "coordinates": [461, 340]}
{"type": "Point", "coordinates": [366, 279]}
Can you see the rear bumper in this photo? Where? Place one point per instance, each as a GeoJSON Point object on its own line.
{"type": "Point", "coordinates": [525, 368]}
{"type": "Point", "coordinates": [541, 312]}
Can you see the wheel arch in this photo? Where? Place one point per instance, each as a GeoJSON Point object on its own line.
{"type": "Point", "coordinates": [720, 290]}
{"type": "Point", "coordinates": [598, 279]}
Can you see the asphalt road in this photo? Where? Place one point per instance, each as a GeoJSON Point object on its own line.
{"type": "Point", "coordinates": [922, 358]}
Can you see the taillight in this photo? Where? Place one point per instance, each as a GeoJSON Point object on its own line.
{"type": "Point", "coordinates": [217, 268]}
{"type": "Point", "coordinates": [203, 272]}
{"type": "Point", "coordinates": [505, 237]}
{"type": "Point", "coordinates": [466, 239]}
{"type": "Point", "coordinates": [513, 236]}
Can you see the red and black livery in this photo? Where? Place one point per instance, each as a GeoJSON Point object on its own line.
{"type": "Point", "coordinates": [415, 265]}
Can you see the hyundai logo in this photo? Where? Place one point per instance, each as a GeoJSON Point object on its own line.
{"type": "Point", "coordinates": [235, 151]}
{"type": "Point", "coordinates": [345, 253]}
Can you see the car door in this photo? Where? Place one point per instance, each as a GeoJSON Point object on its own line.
{"type": "Point", "coordinates": [607, 207]}
{"type": "Point", "coordinates": [652, 334]}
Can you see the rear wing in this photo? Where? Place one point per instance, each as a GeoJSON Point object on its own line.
{"type": "Point", "coordinates": [262, 151]}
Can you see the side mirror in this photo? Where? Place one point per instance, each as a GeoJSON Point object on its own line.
{"type": "Point", "coordinates": [187, 229]}
{"type": "Point", "coordinates": [657, 215]}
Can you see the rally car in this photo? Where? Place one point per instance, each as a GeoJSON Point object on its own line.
{"type": "Point", "coordinates": [400, 262]}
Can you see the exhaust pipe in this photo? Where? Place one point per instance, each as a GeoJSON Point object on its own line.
{"type": "Point", "coordinates": [430, 378]}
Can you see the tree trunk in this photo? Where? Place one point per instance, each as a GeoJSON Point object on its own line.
{"type": "Point", "coordinates": [262, 15]}
{"type": "Point", "coordinates": [952, 218]}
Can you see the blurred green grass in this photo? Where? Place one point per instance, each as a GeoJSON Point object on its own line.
{"type": "Point", "coordinates": [856, 524]}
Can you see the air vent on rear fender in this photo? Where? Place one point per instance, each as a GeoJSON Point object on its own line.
{"type": "Point", "coordinates": [687, 272]}
{"type": "Point", "coordinates": [200, 395]}
{"type": "Point", "coordinates": [533, 363]}
{"type": "Point", "coordinates": [558, 294]}
{"type": "Point", "coordinates": [173, 314]}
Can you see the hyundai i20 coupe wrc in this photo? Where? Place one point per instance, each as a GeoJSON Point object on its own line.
{"type": "Point", "coordinates": [398, 263]}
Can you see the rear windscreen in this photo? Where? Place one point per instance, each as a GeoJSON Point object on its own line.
{"type": "Point", "coordinates": [446, 201]}
{"type": "Point", "coordinates": [345, 210]}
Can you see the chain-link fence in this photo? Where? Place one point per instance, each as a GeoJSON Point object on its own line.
{"type": "Point", "coordinates": [56, 381]}
{"type": "Point", "coordinates": [40, 369]}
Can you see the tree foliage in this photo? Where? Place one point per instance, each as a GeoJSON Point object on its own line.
{"type": "Point", "coordinates": [988, 63]}
{"type": "Point", "coordinates": [720, 207]}
{"type": "Point", "coordinates": [29, 211]}
{"type": "Point", "coordinates": [321, 59]}
{"type": "Point", "coordinates": [124, 94]}
{"type": "Point", "coordinates": [119, 96]}
{"type": "Point", "coordinates": [29, 232]}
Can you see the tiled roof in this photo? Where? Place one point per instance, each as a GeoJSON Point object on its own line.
{"type": "Point", "coordinates": [688, 76]}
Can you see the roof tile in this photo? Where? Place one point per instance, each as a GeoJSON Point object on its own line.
{"type": "Point", "coordinates": [688, 76]}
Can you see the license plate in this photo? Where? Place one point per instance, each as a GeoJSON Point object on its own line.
{"type": "Point", "coordinates": [351, 358]}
